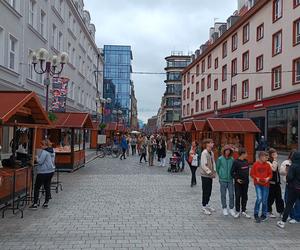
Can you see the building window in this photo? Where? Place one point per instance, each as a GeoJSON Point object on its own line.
{"type": "Point", "coordinates": [188, 109]}
{"type": "Point", "coordinates": [224, 72]}
{"type": "Point", "coordinates": [259, 93]}
{"type": "Point", "coordinates": [276, 78]}
{"type": "Point", "coordinates": [203, 66]}
{"type": "Point", "coordinates": [184, 94]}
{"type": "Point", "coordinates": [224, 96]}
{"type": "Point", "coordinates": [234, 43]}
{"type": "Point", "coordinates": [188, 93]}
{"type": "Point", "coordinates": [260, 32]}
{"type": "Point", "coordinates": [234, 67]}
{"type": "Point", "coordinates": [245, 62]}
{"type": "Point", "coordinates": [197, 105]}
{"type": "Point", "coordinates": [32, 7]}
{"type": "Point", "coordinates": [277, 43]}
{"type": "Point", "coordinates": [209, 81]}
{"type": "Point", "coordinates": [188, 77]}
{"type": "Point", "coordinates": [216, 63]}
{"type": "Point", "coordinates": [245, 89]}
{"type": "Point", "coordinates": [277, 10]}
{"type": "Point", "coordinates": [54, 35]}
{"type": "Point", "coordinates": [43, 24]}
{"type": "Point", "coordinates": [259, 63]}
{"type": "Point", "coordinates": [197, 88]}
{"type": "Point", "coordinates": [183, 110]}
{"type": "Point", "coordinates": [246, 33]}
{"type": "Point", "coordinates": [192, 96]}
{"type": "Point", "coordinates": [192, 111]}
{"type": "Point", "coordinates": [202, 84]}
{"type": "Point", "coordinates": [193, 79]}
{"type": "Point", "coordinates": [216, 83]}
{"type": "Point", "coordinates": [224, 50]}
{"type": "Point", "coordinates": [12, 3]}
{"type": "Point", "coordinates": [233, 93]}
{"type": "Point", "coordinates": [202, 104]}
{"type": "Point", "coordinates": [208, 102]}
{"type": "Point", "coordinates": [215, 105]}
{"type": "Point", "coordinates": [296, 71]}
{"type": "Point", "coordinates": [296, 32]}
{"type": "Point", "coordinates": [197, 70]}
{"type": "Point", "coordinates": [184, 80]}
{"type": "Point", "coordinates": [296, 3]}
{"type": "Point", "coordinates": [1, 46]}
{"type": "Point", "coordinates": [209, 61]}
{"type": "Point", "coordinates": [13, 53]}
{"type": "Point", "coordinates": [73, 56]}
{"type": "Point", "coordinates": [30, 67]}
{"type": "Point", "coordinates": [60, 42]}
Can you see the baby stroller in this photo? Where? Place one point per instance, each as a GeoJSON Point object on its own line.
{"type": "Point", "coordinates": [174, 162]}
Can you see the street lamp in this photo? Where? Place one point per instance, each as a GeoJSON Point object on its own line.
{"type": "Point", "coordinates": [103, 101]}
{"type": "Point", "coordinates": [48, 65]}
{"type": "Point", "coordinates": [117, 112]}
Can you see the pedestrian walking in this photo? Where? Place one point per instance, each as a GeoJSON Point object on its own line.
{"type": "Point", "coordinates": [194, 157]}
{"type": "Point", "coordinates": [133, 145]}
{"type": "Point", "coordinates": [140, 140]}
{"type": "Point", "coordinates": [143, 151]}
{"type": "Point", "coordinates": [240, 173]}
{"type": "Point", "coordinates": [208, 173]}
{"type": "Point", "coordinates": [45, 170]}
{"type": "Point", "coordinates": [151, 150]}
{"type": "Point", "coordinates": [181, 147]}
{"type": "Point", "coordinates": [158, 151]}
{"type": "Point", "coordinates": [128, 140]}
{"type": "Point", "coordinates": [295, 211]}
{"type": "Point", "coordinates": [224, 166]}
{"type": "Point", "coordinates": [293, 179]}
{"type": "Point", "coordinates": [124, 147]}
{"type": "Point", "coordinates": [261, 173]}
{"type": "Point", "coordinates": [163, 152]}
{"type": "Point", "coordinates": [275, 194]}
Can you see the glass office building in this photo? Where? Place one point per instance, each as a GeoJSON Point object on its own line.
{"type": "Point", "coordinates": [117, 70]}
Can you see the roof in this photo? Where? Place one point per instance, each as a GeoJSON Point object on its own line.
{"type": "Point", "coordinates": [166, 129]}
{"type": "Point", "coordinates": [96, 125]}
{"type": "Point", "coordinates": [199, 125]}
{"type": "Point", "coordinates": [188, 126]}
{"type": "Point", "coordinates": [178, 127]}
{"type": "Point", "coordinates": [232, 125]}
{"type": "Point", "coordinates": [22, 107]}
{"type": "Point", "coordinates": [73, 120]}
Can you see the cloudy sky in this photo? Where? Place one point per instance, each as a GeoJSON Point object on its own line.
{"type": "Point", "coordinates": [155, 28]}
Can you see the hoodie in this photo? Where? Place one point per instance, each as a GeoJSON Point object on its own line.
{"type": "Point", "coordinates": [293, 177]}
{"type": "Point", "coordinates": [262, 171]}
{"type": "Point", "coordinates": [224, 166]}
{"type": "Point", "coordinates": [46, 161]}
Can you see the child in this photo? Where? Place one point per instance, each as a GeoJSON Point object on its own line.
{"type": "Point", "coordinates": [224, 166]}
{"type": "Point", "coordinates": [261, 173]}
{"type": "Point", "coordinates": [275, 188]}
{"type": "Point", "coordinates": [240, 173]}
{"type": "Point", "coordinates": [208, 173]}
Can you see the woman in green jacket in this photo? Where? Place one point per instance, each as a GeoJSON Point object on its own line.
{"type": "Point", "coordinates": [193, 160]}
{"type": "Point", "coordinates": [224, 165]}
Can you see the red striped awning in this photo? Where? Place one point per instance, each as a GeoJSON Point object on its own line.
{"type": "Point", "coordinates": [178, 127]}
{"type": "Point", "coordinates": [199, 125]}
{"type": "Point", "coordinates": [73, 120]}
{"type": "Point", "coordinates": [188, 126]}
{"type": "Point", "coordinates": [232, 125]}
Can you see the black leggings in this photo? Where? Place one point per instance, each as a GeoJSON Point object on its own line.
{"type": "Point", "coordinates": [42, 180]}
{"type": "Point", "coordinates": [275, 196]}
{"type": "Point", "coordinates": [293, 195]}
{"type": "Point", "coordinates": [123, 153]}
{"type": "Point", "coordinates": [206, 189]}
{"type": "Point", "coordinates": [143, 156]}
{"type": "Point", "coordinates": [193, 170]}
{"type": "Point", "coordinates": [241, 196]}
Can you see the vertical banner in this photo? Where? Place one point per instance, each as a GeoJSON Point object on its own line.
{"type": "Point", "coordinates": [59, 92]}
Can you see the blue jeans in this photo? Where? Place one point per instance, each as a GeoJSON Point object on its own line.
{"type": "Point", "coordinates": [295, 212]}
{"type": "Point", "coordinates": [262, 194]}
{"type": "Point", "coordinates": [224, 186]}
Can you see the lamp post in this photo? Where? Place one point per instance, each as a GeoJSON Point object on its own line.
{"type": "Point", "coordinates": [117, 113]}
{"type": "Point", "coordinates": [103, 101]}
{"type": "Point", "coordinates": [48, 65]}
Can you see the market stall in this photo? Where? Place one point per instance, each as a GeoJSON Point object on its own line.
{"type": "Point", "coordinates": [21, 113]}
{"type": "Point", "coordinates": [198, 131]}
{"type": "Point", "coordinates": [94, 135]}
{"type": "Point", "coordinates": [188, 128]}
{"type": "Point", "coordinates": [111, 132]}
{"type": "Point", "coordinates": [68, 137]}
{"type": "Point", "coordinates": [235, 132]}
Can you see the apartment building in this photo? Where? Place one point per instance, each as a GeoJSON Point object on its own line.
{"type": "Point", "coordinates": [56, 25]}
{"type": "Point", "coordinates": [250, 67]}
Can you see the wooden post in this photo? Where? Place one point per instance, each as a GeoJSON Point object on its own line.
{"type": "Point", "coordinates": [34, 145]}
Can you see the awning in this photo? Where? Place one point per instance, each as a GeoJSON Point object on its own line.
{"type": "Point", "coordinates": [199, 125]}
{"type": "Point", "coordinates": [22, 108]}
{"type": "Point", "coordinates": [232, 125]}
{"type": "Point", "coordinates": [73, 120]}
{"type": "Point", "coordinates": [188, 126]}
{"type": "Point", "coordinates": [178, 127]}
{"type": "Point", "coordinates": [166, 130]}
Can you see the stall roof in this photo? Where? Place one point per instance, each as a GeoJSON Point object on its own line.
{"type": "Point", "coordinates": [232, 125]}
{"type": "Point", "coordinates": [23, 107]}
{"type": "Point", "coordinates": [188, 126]}
{"type": "Point", "coordinates": [199, 125]}
{"type": "Point", "coordinates": [178, 127]}
{"type": "Point", "coordinates": [73, 120]}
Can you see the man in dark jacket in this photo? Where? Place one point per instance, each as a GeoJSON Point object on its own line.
{"type": "Point", "coordinates": [293, 180]}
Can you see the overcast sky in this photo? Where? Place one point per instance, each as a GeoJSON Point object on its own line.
{"type": "Point", "coordinates": [155, 28]}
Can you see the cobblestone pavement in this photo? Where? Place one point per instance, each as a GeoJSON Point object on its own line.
{"type": "Point", "coordinates": [113, 204]}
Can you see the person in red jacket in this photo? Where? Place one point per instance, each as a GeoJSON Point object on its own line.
{"type": "Point", "coordinates": [261, 173]}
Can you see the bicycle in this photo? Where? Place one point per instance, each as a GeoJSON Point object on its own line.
{"type": "Point", "coordinates": [102, 151]}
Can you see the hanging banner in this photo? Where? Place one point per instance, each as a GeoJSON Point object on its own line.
{"type": "Point", "coordinates": [59, 92]}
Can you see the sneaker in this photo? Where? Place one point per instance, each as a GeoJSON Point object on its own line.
{"type": "Point", "coordinates": [232, 212]}
{"type": "Point", "coordinates": [280, 224]}
{"type": "Point", "coordinates": [263, 218]}
{"type": "Point", "coordinates": [257, 219]}
{"type": "Point", "coordinates": [271, 215]}
{"type": "Point", "coordinates": [293, 221]}
{"type": "Point", "coordinates": [206, 211]}
{"type": "Point", "coordinates": [33, 207]}
{"type": "Point", "coordinates": [210, 208]}
{"type": "Point", "coordinates": [45, 205]}
{"type": "Point", "coordinates": [225, 211]}
{"type": "Point", "coordinates": [244, 214]}
{"type": "Point", "coordinates": [237, 215]}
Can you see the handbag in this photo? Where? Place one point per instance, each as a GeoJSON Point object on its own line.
{"type": "Point", "coordinates": [195, 160]}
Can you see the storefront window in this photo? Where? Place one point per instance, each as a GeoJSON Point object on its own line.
{"type": "Point", "coordinates": [283, 128]}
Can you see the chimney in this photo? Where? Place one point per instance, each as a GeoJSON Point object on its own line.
{"type": "Point", "coordinates": [215, 36]}
{"type": "Point", "coordinates": [203, 47]}
{"type": "Point", "coordinates": [231, 21]}
{"type": "Point", "coordinates": [222, 29]}
{"type": "Point", "coordinates": [197, 53]}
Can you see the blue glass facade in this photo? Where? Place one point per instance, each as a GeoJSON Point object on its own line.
{"type": "Point", "coordinates": [117, 70]}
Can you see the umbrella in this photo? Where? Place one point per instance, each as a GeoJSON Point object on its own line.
{"type": "Point", "coordinates": [135, 132]}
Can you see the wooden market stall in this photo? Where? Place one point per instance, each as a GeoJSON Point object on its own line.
{"type": "Point", "coordinates": [94, 135]}
{"type": "Point", "coordinates": [235, 132]}
{"type": "Point", "coordinates": [111, 132]}
{"type": "Point", "coordinates": [198, 131]}
{"type": "Point", "coordinates": [178, 129]}
{"type": "Point", "coordinates": [189, 128]}
{"type": "Point", "coordinates": [68, 136]}
{"type": "Point", "coordinates": [21, 113]}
